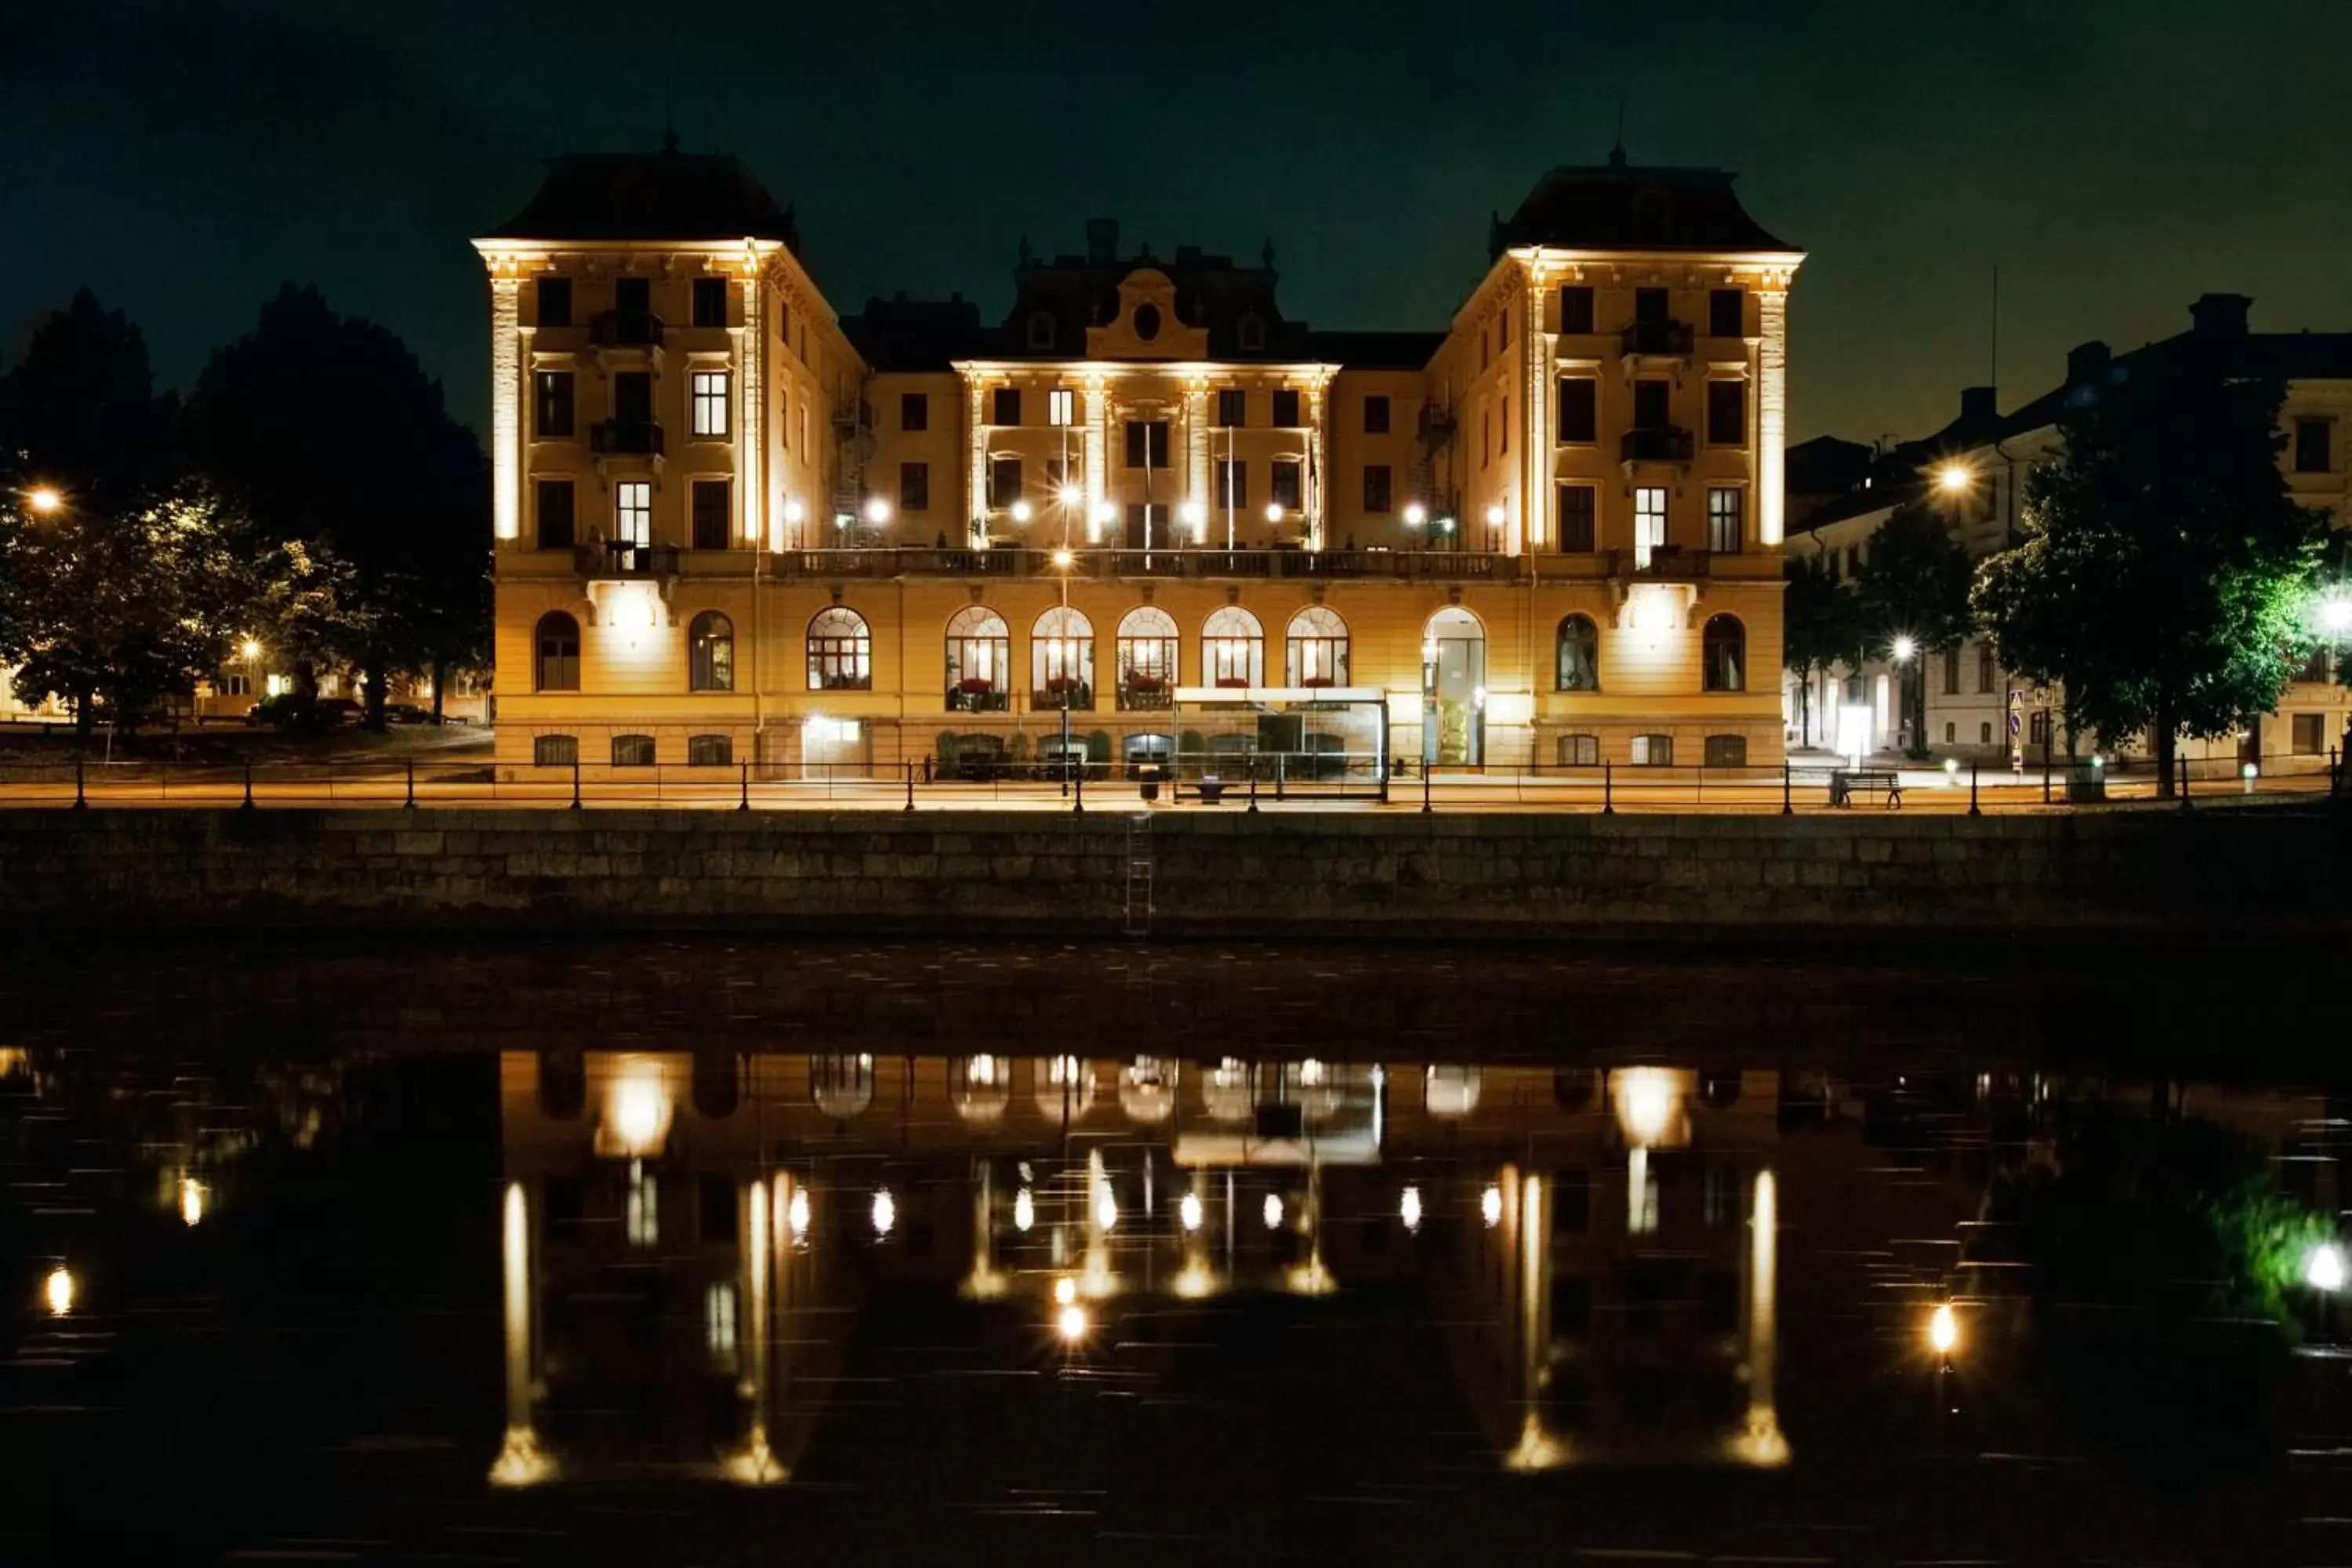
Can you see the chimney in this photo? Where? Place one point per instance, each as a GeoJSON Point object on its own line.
{"type": "Point", "coordinates": [1979, 404]}
{"type": "Point", "coordinates": [2220, 315]}
{"type": "Point", "coordinates": [1102, 240]}
{"type": "Point", "coordinates": [2087, 363]}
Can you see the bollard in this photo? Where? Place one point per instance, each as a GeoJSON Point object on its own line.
{"type": "Point", "coordinates": [412, 784]}
{"type": "Point", "coordinates": [1424, 787]}
{"type": "Point", "coordinates": [575, 783]}
{"type": "Point", "coordinates": [1608, 789]}
{"type": "Point", "coordinates": [1080, 808]}
{"type": "Point", "coordinates": [248, 786]}
{"type": "Point", "coordinates": [1788, 806]}
{"type": "Point", "coordinates": [910, 787]}
{"type": "Point", "coordinates": [1973, 810]}
{"type": "Point", "coordinates": [81, 795]}
{"type": "Point", "coordinates": [1252, 810]}
{"type": "Point", "coordinates": [2183, 763]}
{"type": "Point", "coordinates": [743, 801]}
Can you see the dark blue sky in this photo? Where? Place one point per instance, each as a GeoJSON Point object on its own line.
{"type": "Point", "coordinates": [2115, 157]}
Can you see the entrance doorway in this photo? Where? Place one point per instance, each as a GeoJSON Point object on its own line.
{"type": "Point", "coordinates": [1453, 691]}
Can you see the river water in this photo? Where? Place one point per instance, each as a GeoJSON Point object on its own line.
{"type": "Point", "coordinates": [700, 1251]}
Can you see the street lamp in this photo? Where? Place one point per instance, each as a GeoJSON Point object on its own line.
{"type": "Point", "coordinates": [1273, 511]}
{"type": "Point", "coordinates": [1021, 511]}
{"type": "Point", "coordinates": [2336, 613]}
{"type": "Point", "coordinates": [1906, 650]}
{"type": "Point", "coordinates": [251, 649]}
{"type": "Point", "coordinates": [1070, 495]}
{"type": "Point", "coordinates": [2324, 1267]}
{"type": "Point", "coordinates": [1416, 514]}
{"type": "Point", "coordinates": [45, 500]}
{"type": "Point", "coordinates": [1903, 648]}
{"type": "Point", "coordinates": [1955, 478]}
{"type": "Point", "coordinates": [877, 510]}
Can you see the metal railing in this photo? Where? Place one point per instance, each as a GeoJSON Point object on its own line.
{"type": "Point", "coordinates": [1185, 560]}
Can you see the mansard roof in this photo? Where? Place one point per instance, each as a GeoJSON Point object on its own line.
{"type": "Point", "coordinates": [666, 194]}
{"type": "Point", "coordinates": [1619, 206]}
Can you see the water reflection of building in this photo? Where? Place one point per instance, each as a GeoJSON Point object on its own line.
{"type": "Point", "coordinates": [688, 1238]}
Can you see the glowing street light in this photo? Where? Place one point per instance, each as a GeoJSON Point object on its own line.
{"type": "Point", "coordinates": [2324, 1267]}
{"type": "Point", "coordinates": [58, 1290]}
{"type": "Point", "coordinates": [1496, 515]}
{"type": "Point", "coordinates": [1062, 560]}
{"type": "Point", "coordinates": [1188, 1210]}
{"type": "Point", "coordinates": [1273, 511]}
{"type": "Point", "coordinates": [1025, 1210]}
{"type": "Point", "coordinates": [794, 512]}
{"type": "Point", "coordinates": [1021, 511]}
{"type": "Point", "coordinates": [192, 1202]}
{"type": "Point", "coordinates": [251, 649]}
{"type": "Point", "coordinates": [796, 1213]}
{"type": "Point", "coordinates": [1955, 478]}
{"type": "Point", "coordinates": [1071, 1322]}
{"type": "Point", "coordinates": [1490, 1205]}
{"type": "Point", "coordinates": [47, 500]}
{"type": "Point", "coordinates": [2336, 613]}
{"type": "Point", "coordinates": [1104, 511]}
{"type": "Point", "coordinates": [1944, 1331]}
{"type": "Point", "coordinates": [877, 510]}
{"type": "Point", "coordinates": [1105, 1208]}
{"type": "Point", "coordinates": [1416, 514]}
{"type": "Point", "coordinates": [1904, 647]}
{"type": "Point", "coordinates": [1070, 495]}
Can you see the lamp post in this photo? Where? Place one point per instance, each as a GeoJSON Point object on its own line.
{"type": "Point", "coordinates": [1906, 653]}
{"type": "Point", "coordinates": [1063, 560]}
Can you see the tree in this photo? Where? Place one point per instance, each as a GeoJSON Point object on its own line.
{"type": "Point", "coordinates": [1914, 584]}
{"type": "Point", "coordinates": [120, 612]}
{"type": "Point", "coordinates": [326, 430]}
{"type": "Point", "coordinates": [2165, 565]}
{"type": "Point", "coordinates": [80, 413]}
{"type": "Point", "coordinates": [1817, 618]}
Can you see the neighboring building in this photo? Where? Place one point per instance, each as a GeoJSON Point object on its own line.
{"type": "Point", "coordinates": [1984, 457]}
{"type": "Point", "coordinates": [733, 528]}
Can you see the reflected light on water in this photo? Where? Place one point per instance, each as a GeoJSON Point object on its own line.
{"type": "Point", "coordinates": [1072, 1322]}
{"type": "Point", "coordinates": [1272, 1212]}
{"type": "Point", "coordinates": [191, 1201]}
{"type": "Point", "coordinates": [1025, 1210]}
{"type": "Point", "coordinates": [58, 1290]}
{"type": "Point", "coordinates": [796, 1213]}
{"type": "Point", "coordinates": [1490, 1205]}
{"type": "Point", "coordinates": [1944, 1330]}
{"type": "Point", "coordinates": [1645, 1104]}
{"type": "Point", "coordinates": [1188, 1211]}
{"type": "Point", "coordinates": [885, 1211]}
{"type": "Point", "coordinates": [1409, 1208]}
{"type": "Point", "coordinates": [637, 1109]}
{"type": "Point", "coordinates": [2323, 1268]}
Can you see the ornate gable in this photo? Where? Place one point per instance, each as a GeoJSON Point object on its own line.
{"type": "Point", "coordinates": [1147, 326]}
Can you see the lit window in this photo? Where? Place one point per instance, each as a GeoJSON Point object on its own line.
{"type": "Point", "coordinates": [1061, 406]}
{"type": "Point", "coordinates": [1723, 521]}
{"type": "Point", "coordinates": [710, 403]}
{"type": "Point", "coordinates": [641, 1216]}
{"type": "Point", "coordinates": [1649, 522]}
{"type": "Point", "coordinates": [1232, 648]}
{"type": "Point", "coordinates": [840, 651]}
{"type": "Point", "coordinates": [719, 1322]}
{"type": "Point", "coordinates": [634, 511]}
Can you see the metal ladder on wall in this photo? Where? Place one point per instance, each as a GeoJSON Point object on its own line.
{"type": "Point", "coordinates": [1139, 874]}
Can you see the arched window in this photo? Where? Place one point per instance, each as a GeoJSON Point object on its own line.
{"type": "Point", "coordinates": [841, 1086]}
{"type": "Point", "coordinates": [1723, 649]}
{"type": "Point", "coordinates": [980, 652]}
{"type": "Point", "coordinates": [1317, 652]}
{"type": "Point", "coordinates": [1147, 658]}
{"type": "Point", "coordinates": [840, 652]}
{"type": "Point", "coordinates": [1454, 690]}
{"type": "Point", "coordinates": [1061, 662]}
{"type": "Point", "coordinates": [1041, 329]}
{"type": "Point", "coordinates": [1232, 648]}
{"type": "Point", "coordinates": [1065, 1088]}
{"type": "Point", "coordinates": [1580, 655]}
{"type": "Point", "coordinates": [710, 653]}
{"type": "Point", "coordinates": [556, 662]}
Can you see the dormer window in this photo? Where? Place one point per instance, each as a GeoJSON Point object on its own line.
{"type": "Point", "coordinates": [1250, 333]}
{"type": "Point", "coordinates": [1147, 322]}
{"type": "Point", "coordinates": [1041, 329]}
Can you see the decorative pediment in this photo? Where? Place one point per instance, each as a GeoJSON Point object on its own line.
{"type": "Point", "coordinates": [1147, 326]}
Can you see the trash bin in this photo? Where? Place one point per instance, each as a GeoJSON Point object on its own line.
{"type": "Point", "coordinates": [1148, 780]}
{"type": "Point", "coordinates": [2086, 782]}
{"type": "Point", "coordinates": [1212, 790]}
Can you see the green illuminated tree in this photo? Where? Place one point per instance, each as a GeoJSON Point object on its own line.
{"type": "Point", "coordinates": [2166, 565]}
{"type": "Point", "coordinates": [1914, 584]}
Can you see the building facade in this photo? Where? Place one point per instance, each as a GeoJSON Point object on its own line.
{"type": "Point", "coordinates": [734, 528]}
{"type": "Point", "coordinates": [1973, 472]}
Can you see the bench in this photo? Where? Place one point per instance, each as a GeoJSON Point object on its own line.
{"type": "Point", "coordinates": [1845, 782]}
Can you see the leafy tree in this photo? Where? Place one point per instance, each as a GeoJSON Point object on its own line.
{"type": "Point", "coordinates": [122, 611]}
{"type": "Point", "coordinates": [1820, 627]}
{"type": "Point", "coordinates": [2166, 564]}
{"type": "Point", "coordinates": [80, 413]}
{"type": "Point", "coordinates": [326, 430]}
{"type": "Point", "coordinates": [305, 606]}
{"type": "Point", "coordinates": [1914, 584]}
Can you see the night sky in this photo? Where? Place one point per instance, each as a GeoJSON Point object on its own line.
{"type": "Point", "coordinates": [2115, 157]}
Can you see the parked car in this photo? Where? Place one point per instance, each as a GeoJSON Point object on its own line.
{"type": "Point", "coordinates": [272, 712]}
{"type": "Point", "coordinates": [406, 713]}
{"type": "Point", "coordinates": [333, 710]}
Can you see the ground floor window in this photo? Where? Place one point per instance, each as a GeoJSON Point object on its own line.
{"type": "Point", "coordinates": [1952, 731]}
{"type": "Point", "coordinates": [709, 751]}
{"type": "Point", "coordinates": [1149, 751]}
{"type": "Point", "coordinates": [2310, 734]}
{"type": "Point", "coordinates": [632, 751]}
{"type": "Point", "coordinates": [1726, 751]}
{"type": "Point", "coordinates": [555, 752]}
{"type": "Point", "coordinates": [1984, 734]}
{"type": "Point", "coordinates": [1580, 751]}
{"type": "Point", "coordinates": [1654, 751]}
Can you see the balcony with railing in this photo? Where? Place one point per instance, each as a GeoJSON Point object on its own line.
{"type": "Point", "coordinates": [1655, 443]}
{"type": "Point", "coordinates": [1662, 563]}
{"type": "Point", "coordinates": [625, 329]}
{"type": "Point", "coordinates": [625, 437]}
{"type": "Point", "coordinates": [1081, 565]}
{"type": "Point", "coordinates": [618, 558]}
{"type": "Point", "coordinates": [1658, 339]}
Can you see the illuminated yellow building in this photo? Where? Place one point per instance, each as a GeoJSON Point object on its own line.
{"type": "Point", "coordinates": [733, 528]}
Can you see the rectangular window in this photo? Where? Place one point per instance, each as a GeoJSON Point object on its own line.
{"type": "Point", "coordinates": [556, 529]}
{"type": "Point", "coordinates": [634, 751]}
{"type": "Point", "coordinates": [2311, 446]}
{"type": "Point", "coordinates": [1486, 437]}
{"type": "Point", "coordinates": [1003, 482]}
{"type": "Point", "coordinates": [2037, 728]}
{"type": "Point", "coordinates": [1579, 410]}
{"type": "Point", "coordinates": [1376, 415]}
{"type": "Point", "coordinates": [1654, 751]}
{"type": "Point", "coordinates": [633, 296]}
{"type": "Point", "coordinates": [2310, 734]}
{"type": "Point", "coordinates": [1650, 405]}
{"type": "Point", "coordinates": [1503, 425]}
{"type": "Point", "coordinates": [1007, 406]}
{"type": "Point", "coordinates": [1147, 443]}
{"type": "Point", "coordinates": [1725, 532]}
{"type": "Point", "coordinates": [710, 514]}
{"type": "Point", "coordinates": [633, 397]}
{"type": "Point", "coordinates": [710, 751]}
{"type": "Point", "coordinates": [233, 684]}
{"type": "Point", "coordinates": [1285, 490]}
{"type": "Point", "coordinates": [1232, 484]}
{"type": "Point", "coordinates": [1057, 475]}
{"type": "Point", "coordinates": [554, 750]}
{"type": "Point", "coordinates": [914, 487]}
{"type": "Point", "coordinates": [1649, 522]}
{"type": "Point", "coordinates": [1285, 408]}
{"type": "Point", "coordinates": [710, 387]}
{"type": "Point", "coordinates": [1576, 308]}
{"type": "Point", "coordinates": [1376, 487]}
{"type": "Point", "coordinates": [1727, 312]}
{"type": "Point", "coordinates": [551, 404]}
{"type": "Point", "coordinates": [1233, 408]}
{"type": "Point", "coordinates": [555, 301]}
{"type": "Point", "coordinates": [1727, 413]}
{"type": "Point", "coordinates": [1580, 751]}
{"type": "Point", "coordinates": [632, 513]}
{"type": "Point", "coordinates": [1576, 523]}
{"type": "Point", "coordinates": [710, 301]}
{"type": "Point", "coordinates": [1650, 306]}
{"type": "Point", "coordinates": [1061, 406]}
{"type": "Point", "coordinates": [1952, 672]}
{"type": "Point", "coordinates": [1985, 673]}
{"type": "Point", "coordinates": [914, 411]}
